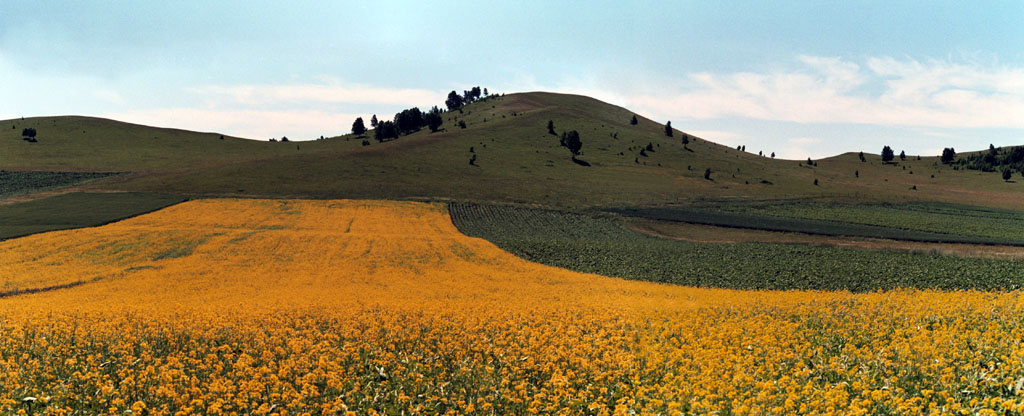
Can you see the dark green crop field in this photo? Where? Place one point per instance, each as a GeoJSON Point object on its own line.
{"type": "Point", "coordinates": [15, 182]}
{"type": "Point", "coordinates": [923, 222]}
{"type": "Point", "coordinates": [934, 217]}
{"type": "Point", "coordinates": [76, 210]}
{"type": "Point", "coordinates": [598, 244]}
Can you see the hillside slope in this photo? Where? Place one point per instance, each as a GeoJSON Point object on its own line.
{"type": "Point", "coordinates": [74, 143]}
{"type": "Point", "coordinates": [517, 160]}
{"type": "Point", "coordinates": [514, 157]}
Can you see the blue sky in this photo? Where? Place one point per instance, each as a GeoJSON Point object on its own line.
{"type": "Point", "coordinates": [797, 78]}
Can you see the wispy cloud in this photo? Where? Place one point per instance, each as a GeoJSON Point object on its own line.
{"type": "Point", "coordinates": [330, 91]}
{"type": "Point", "coordinates": [250, 124]}
{"type": "Point", "coordinates": [879, 90]}
{"type": "Point", "coordinates": [300, 111]}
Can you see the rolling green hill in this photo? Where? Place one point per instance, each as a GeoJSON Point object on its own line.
{"type": "Point", "coordinates": [516, 160]}
{"type": "Point", "coordinates": [73, 143]}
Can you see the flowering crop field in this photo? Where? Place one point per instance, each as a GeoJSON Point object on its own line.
{"type": "Point", "coordinates": [363, 307]}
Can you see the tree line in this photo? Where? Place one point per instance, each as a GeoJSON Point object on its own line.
{"type": "Point", "coordinates": [411, 120]}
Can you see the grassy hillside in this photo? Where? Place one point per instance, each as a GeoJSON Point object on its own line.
{"type": "Point", "coordinates": [516, 160]}
{"type": "Point", "coordinates": [71, 143]}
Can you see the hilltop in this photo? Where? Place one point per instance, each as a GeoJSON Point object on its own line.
{"type": "Point", "coordinates": [515, 160]}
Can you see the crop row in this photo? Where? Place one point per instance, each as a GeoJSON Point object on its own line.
{"type": "Point", "coordinates": [76, 210]}
{"type": "Point", "coordinates": [946, 219]}
{"type": "Point", "coordinates": [598, 244]}
{"type": "Point", "coordinates": [856, 225]}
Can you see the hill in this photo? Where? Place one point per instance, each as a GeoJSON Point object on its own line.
{"type": "Point", "coordinates": [515, 160]}
{"type": "Point", "coordinates": [74, 143]}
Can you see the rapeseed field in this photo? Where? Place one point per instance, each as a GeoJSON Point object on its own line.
{"type": "Point", "coordinates": [362, 307]}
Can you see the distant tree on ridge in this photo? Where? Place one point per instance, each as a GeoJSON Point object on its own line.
{"type": "Point", "coordinates": [887, 154]}
{"type": "Point", "coordinates": [357, 127]}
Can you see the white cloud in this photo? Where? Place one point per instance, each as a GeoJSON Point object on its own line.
{"type": "Point", "coordinates": [331, 91]}
{"type": "Point", "coordinates": [887, 92]}
{"type": "Point", "coordinates": [300, 111]}
{"type": "Point", "coordinates": [250, 124]}
{"type": "Point", "coordinates": [804, 140]}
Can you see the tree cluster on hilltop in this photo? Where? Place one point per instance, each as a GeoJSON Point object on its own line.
{"type": "Point", "coordinates": [993, 160]}
{"type": "Point", "coordinates": [411, 120]}
{"type": "Point", "coordinates": [406, 122]}
{"type": "Point", "coordinates": [456, 101]}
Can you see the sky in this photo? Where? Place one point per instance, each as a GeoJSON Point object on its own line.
{"type": "Point", "coordinates": [801, 79]}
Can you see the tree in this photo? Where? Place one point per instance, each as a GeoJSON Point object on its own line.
{"type": "Point", "coordinates": [434, 119]}
{"type": "Point", "coordinates": [903, 155]}
{"type": "Point", "coordinates": [373, 121]}
{"type": "Point", "coordinates": [29, 132]}
{"type": "Point", "coordinates": [454, 101]}
{"type": "Point", "coordinates": [773, 155]}
{"type": "Point", "coordinates": [551, 128]}
{"type": "Point", "coordinates": [385, 130]}
{"type": "Point", "coordinates": [409, 120]}
{"type": "Point", "coordinates": [861, 156]}
{"type": "Point", "coordinates": [357, 127]}
{"type": "Point", "coordinates": [686, 139]}
{"type": "Point", "coordinates": [668, 129]}
{"type": "Point", "coordinates": [810, 162]}
{"type": "Point", "coordinates": [633, 121]}
{"type": "Point", "coordinates": [571, 141]}
{"type": "Point", "coordinates": [485, 92]}
{"type": "Point", "coordinates": [948, 155]}
{"type": "Point", "coordinates": [707, 174]}
{"type": "Point", "coordinates": [1006, 174]}
{"type": "Point", "coordinates": [887, 154]}
{"type": "Point", "coordinates": [470, 96]}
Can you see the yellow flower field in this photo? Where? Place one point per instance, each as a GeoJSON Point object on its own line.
{"type": "Point", "coordinates": [372, 307]}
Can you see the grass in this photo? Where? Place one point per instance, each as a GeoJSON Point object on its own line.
{"type": "Point", "coordinates": [18, 182]}
{"type": "Point", "coordinates": [76, 210]}
{"type": "Point", "coordinates": [100, 145]}
{"type": "Point", "coordinates": [598, 244]}
{"type": "Point", "coordinates": [517, 161]}
{"type": "Point", "coordinates": [909, 222]}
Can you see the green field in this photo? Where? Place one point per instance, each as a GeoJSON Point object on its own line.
{"type": "Point", "coordinates": [599, 244]}
{"type": "Point", "coordinates": [941, 218]}
{"type": "Point", "coordinates": [76, 210]}
{"type": "Point", "coordinates": [922, 222]}
{"type": "Point", "coordinates": [18, 182]}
